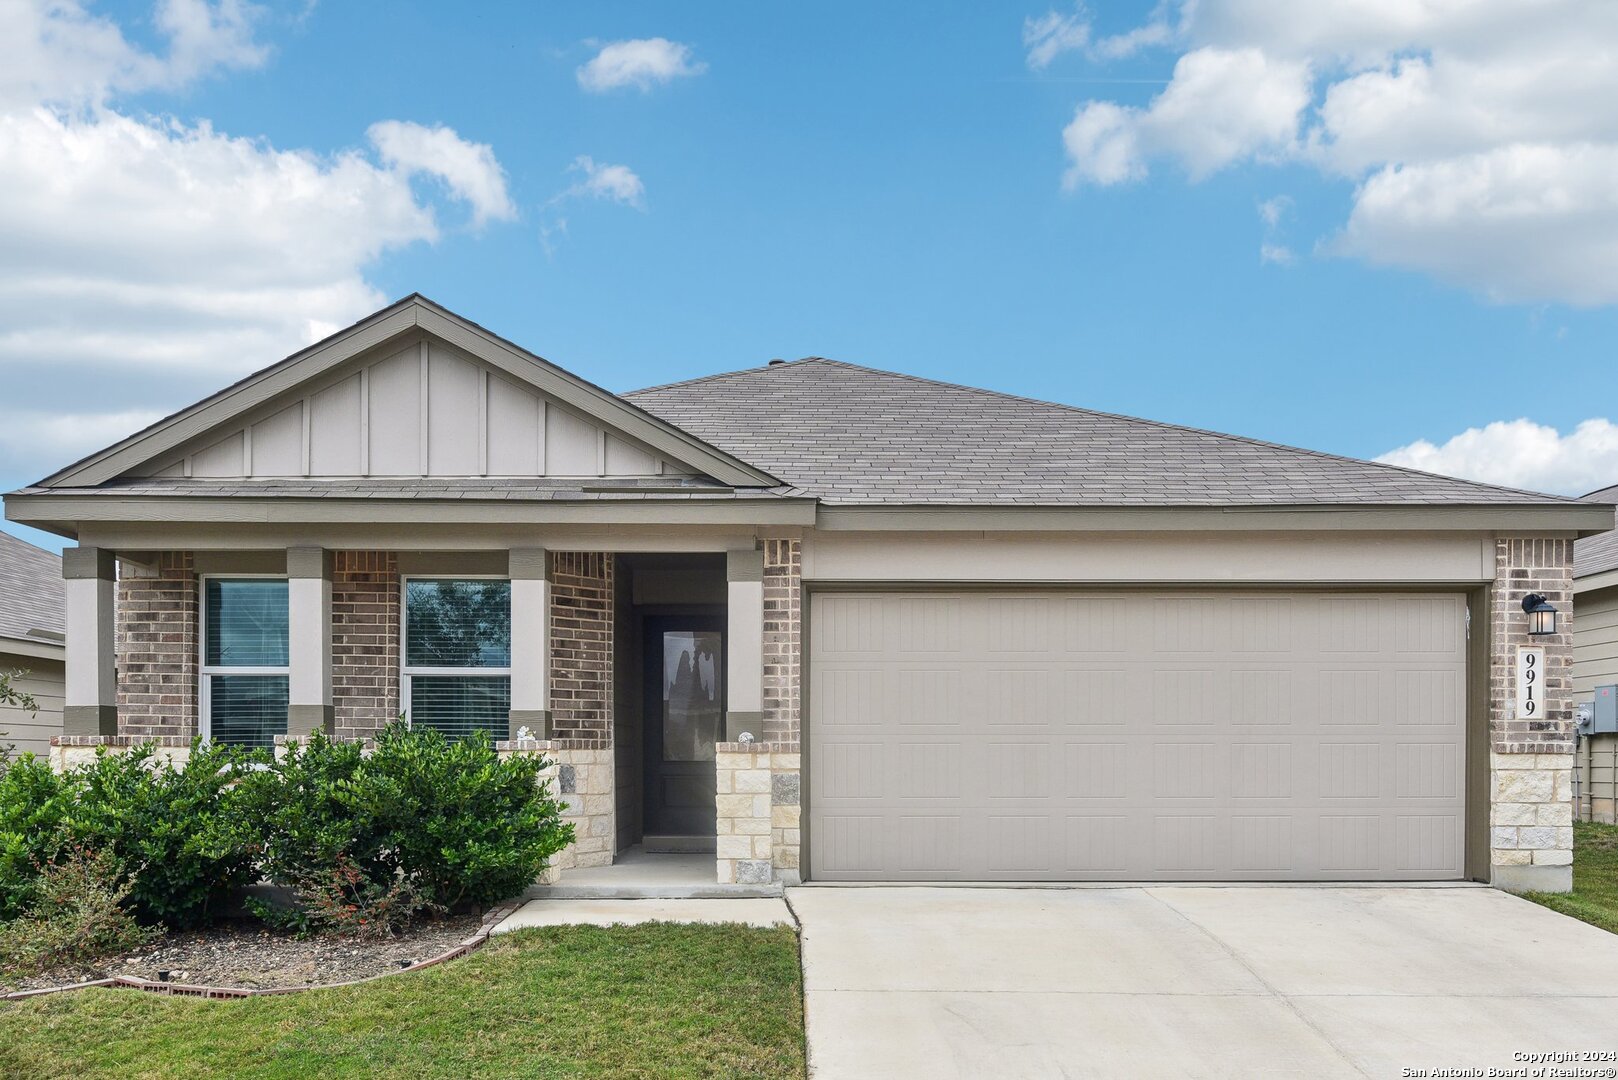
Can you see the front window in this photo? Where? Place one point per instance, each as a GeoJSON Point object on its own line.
{"type": "Point", "coordinates": [457, 655]}
{"type": "Point", "coordinates": [244, 660]}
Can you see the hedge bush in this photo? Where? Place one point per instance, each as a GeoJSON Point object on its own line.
{"type": "Point", "coordinates": [454, 820]}
{"type": "Point", "coordinates": [420, 823]}
{"type": "Point", "coordinates": [172, 829]}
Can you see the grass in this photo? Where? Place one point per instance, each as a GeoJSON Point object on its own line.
{"type": "Point", "coordinates": [1594, 898]}
{"type": "Point", "coordinates": [658, 1000]}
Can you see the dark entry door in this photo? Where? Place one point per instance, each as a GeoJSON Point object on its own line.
{"type": "Point", "coordinates": [685, 715]}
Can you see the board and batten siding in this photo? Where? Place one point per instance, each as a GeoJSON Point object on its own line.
{"type": "Point", "coordinates": [1595, 642]}
{"type": "Point", "coordinates": [424, 410]}
{"type": "Point", "coordinates": [44, 680]}
{"type": "Point", "coordinates": [1595, 663]}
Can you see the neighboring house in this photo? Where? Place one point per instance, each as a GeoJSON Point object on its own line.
{"type": "Point", "coordinates": [836, 622]}
{"type": "Point", "coordinates": [1595, 659]}
{"type": "Point", "coordinates": [31, 642]}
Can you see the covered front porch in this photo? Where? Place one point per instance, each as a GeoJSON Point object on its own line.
{"type": "Point", "coordinates": [661, 684]}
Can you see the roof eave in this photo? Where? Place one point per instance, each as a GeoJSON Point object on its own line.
{"type": "Point", "coordinates": [1572, 519]}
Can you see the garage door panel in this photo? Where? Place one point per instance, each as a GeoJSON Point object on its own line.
{"type": "Point", "coordinates": [1315, 747]}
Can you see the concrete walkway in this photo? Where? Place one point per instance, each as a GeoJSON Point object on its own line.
{"type": "Point", "coordinates": [568, 912]}
{"type": "Point", "coordinates": [1194, 981]}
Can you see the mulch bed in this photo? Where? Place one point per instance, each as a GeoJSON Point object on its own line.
{"type": "Point", "coordinates": [250, 957]}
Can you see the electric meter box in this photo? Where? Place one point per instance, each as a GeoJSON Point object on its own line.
{"type": "Point", "coordinates": [1604, 717]}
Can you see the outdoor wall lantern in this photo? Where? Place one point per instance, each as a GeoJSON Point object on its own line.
{"type": "Point", "coordinates": [1541, 616]}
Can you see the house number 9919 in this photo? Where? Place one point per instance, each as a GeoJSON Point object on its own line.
{"type": "Point", "coordinates": [1530, 682]}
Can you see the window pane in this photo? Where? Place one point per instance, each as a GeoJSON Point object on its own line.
{"type": "Point", "coordinates": [458, 705]}
{"type": "Point", "coordinates": [691, 713]}
{"type": "Point", "coordinates": [458, 624]}
{"type": "Point", "coordinates": [247, 623]}
{"type": "Point", "coordinates": [247, 710]}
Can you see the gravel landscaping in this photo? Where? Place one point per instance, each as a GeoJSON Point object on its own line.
{"type": "Point", "coordinates": [251, 957]}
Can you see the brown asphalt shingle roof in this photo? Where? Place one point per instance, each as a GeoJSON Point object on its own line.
{"type": "Point", "coordinates": [856, 435]}
{"type": "Point", "coordinates": [1597, 554]}
{"type": "Point", "coordinates": [31, 593]}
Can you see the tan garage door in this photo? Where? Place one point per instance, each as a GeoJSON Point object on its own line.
{"type": "Point", "coordinates": [980, 736]}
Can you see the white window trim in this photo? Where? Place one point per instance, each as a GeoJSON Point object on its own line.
{"type": "Point", "coordinates": [406, 670]}
{"type": "Point", "coordinates": [206, 671]}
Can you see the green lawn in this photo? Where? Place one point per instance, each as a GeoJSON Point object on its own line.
{"type": "Point", "coordinates": [657, 1000]}
{"type": "Point", "coordinates": [1595, 878]}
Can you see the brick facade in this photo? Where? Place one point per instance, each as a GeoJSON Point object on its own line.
{"type": "Point", "coordinates": [157, 647]}
{"type": "Point", "coordinates": [1525, 565]}
{"type": "Point", "coordinates": [364, 641]}
{"type": "Point", "coordinates": [581, 647]}
{"type": "Point", "coordinates": [783, 640]}
{"type": "Point", "coordinates": [1531, 761]}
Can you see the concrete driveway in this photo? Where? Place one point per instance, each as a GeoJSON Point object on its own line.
{"type": "Point", "coordinates": [1195, 981]}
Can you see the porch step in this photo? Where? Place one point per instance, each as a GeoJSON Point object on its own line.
{"type": "Point", "coordinates": [678, 845]}
{"type": "Point", "coordinates": [564, 891]}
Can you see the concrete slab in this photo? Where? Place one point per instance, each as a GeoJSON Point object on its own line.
{"type": "Point", "coordinates": [1194, 981]}
{"type": "Point", "coordinates": [1477, 941]}
{"type": "Point", "coordinates": [637, 874]}
{"type": "Point", "coordinates": [751, 912]}
{"type": "Point", "coordinates": [926, 1036]}
{"type": "Point", "coordinates": [930, 939]}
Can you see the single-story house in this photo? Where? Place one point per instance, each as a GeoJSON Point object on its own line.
{"type": "Point", "coordinates": [1595, 663]}
{"type": "Point", "coordinates": [32, 643]}
{"type": "Point", "coordinates": [838, 623]}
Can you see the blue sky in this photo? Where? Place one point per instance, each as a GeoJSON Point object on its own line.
{"type": "Point", "coordinates": [1006, 195]}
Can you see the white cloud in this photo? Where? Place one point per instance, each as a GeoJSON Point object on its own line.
{"type": "Point", "coordinates": [1276, 254]}
{"type": "Point", "coordinates": [468, 169]}
{"type": "Point", "coordinates": [1522, 454]}
{"type": "Point", "coordinates": [1479, 132]}
{"type": "Point", "coordinates": [1222, 105]}
{"type": "Point", "coordinates": [615, 183]}
{"type": "Point", "coordinates": [641, 63]}
{"type": "Point", "coordinates": [55, 52]}
{"type": "Point", "coordinates": [1055, 33]}
{"type": "Point", "coordinates": [1052, 34]}
{"type": "Point", "coordinates": [148, 260]}
{"type": "Point", "coordinates": [67, 437]}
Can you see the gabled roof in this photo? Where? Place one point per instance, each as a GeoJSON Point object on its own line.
{"type": "Point", "coordinates": [32, 604]}
{"type": "Point", "coordinates": [857, 435]}
{"type": "Point", "coordinates": [414, 312]}
{"type": "Point", "coordinates": [1597, 554]}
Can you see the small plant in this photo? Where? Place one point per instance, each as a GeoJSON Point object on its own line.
{"type": "Point", "coordinates": [77, 917]}
{"type": "Point", "coordinates": [345, 899]}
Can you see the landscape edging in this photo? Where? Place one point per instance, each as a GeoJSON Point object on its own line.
{"type": "Point", "coordinates": [226, 993]}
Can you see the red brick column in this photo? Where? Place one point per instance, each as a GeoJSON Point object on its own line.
{"type": "Point", "coordinates": [783, 640]}
{"type": "Point", "coordinates": [364, 641]}
{"type": "Point", "coordinates": [1531, 761]}
{"type": "Point", "coordinates": [157, 647]}
{"type": "Point", "coordinates": [581, 647]}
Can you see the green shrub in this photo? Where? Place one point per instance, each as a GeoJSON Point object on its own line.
{"type": "Point", "coordinates": [446, 822]}
{"type": "Point", "coordinates": [77, 915]}
{"type": "Point", "coordinates": [33, 808]}
{"type": "Point", "coordinates": [177, 828]}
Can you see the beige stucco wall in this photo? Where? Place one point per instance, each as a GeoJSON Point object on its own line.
{"type": "Point", "coordinates": [43, 679]}
{"type": "Point", "coordinates": [1428, 558]}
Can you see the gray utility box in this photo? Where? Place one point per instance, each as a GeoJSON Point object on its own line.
{"type": "Point", "coordinates": [1603, 712]}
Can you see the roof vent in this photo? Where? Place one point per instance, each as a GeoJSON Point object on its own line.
{"type": "Point", "coordinates": [774, 362]}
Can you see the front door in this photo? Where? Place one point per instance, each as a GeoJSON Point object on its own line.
{"type": "Point", "coordinates": [685, 716]}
